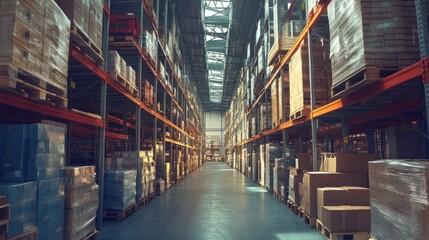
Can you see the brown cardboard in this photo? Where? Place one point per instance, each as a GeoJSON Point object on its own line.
{"type": "Point", "coordinates": [347, 218]}
{"type": "Point", "coordinates": [346, 162]}
{"type": "Point", "coordinates": [315, 180]}
{"type": "Point", "coordinates": [295, 177]}
{"type": "Point", "coordinates": [330, 197]}
{"type": "Point", "coordinates": [303, 161]}
{"type": "Point", "coordinates": [337, 196]}
{"type": "Point", "coordinates": [358, 196]}
{"type": "Point", "coordinates": [302, 191]}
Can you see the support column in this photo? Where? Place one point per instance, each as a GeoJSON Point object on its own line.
{"type": "Point", "coordinates": [345, 135]}
{"type": "Point", "coordinates": [313, 101]}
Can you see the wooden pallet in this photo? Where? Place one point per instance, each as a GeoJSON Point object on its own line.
{"type": "Point", "coordinates": [124, 83]}
{"type": "Point", "coordinates": [85, 44]}
{"type": "Point", "coordinates": [310, 220]}
{"type": "Point", "coordinates": [292, 206]}
{"type": "Point", "coordinates": [8, 70]}
{"type": "Point", "coordinates": [119, 215]}
{"type": "Point", "coordinates": [341, 236]}
{"type": "Point", "coordinates": [20, 81]}
{"type": "Point", "coordinates": [29, 235]}
{"type": "Point", "coordinates": [360, 79]}
{"type": "Point", "coordinates": [91, 236]}
{"type": "Point", "coordinates": [126, 42]}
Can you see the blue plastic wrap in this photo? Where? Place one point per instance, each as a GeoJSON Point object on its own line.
{"type": "Point", "coordinates": [50, 208]}
{"type": "Point", "coordinates": [120, 189]}
{"type": "Point", "coordinates": [31, 152]}
{"type": "Point", "coordinates": [23, 206]}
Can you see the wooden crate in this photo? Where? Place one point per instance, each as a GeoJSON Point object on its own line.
{"type": "Point", "coordinates": [280, 99]}
{"type": "Point", "coordinates": [300, 82]}
{"type": "Point", "coordinates": [369, 40]}
{"type": "Point", "coordinates": [280, 46]}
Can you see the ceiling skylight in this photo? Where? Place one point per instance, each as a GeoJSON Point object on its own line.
{"type": "Point", "coordinates": [216, 22]}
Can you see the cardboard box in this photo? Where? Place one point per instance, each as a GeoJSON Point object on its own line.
{"type": "Point", "coordinates": [315, 180]}
{"type": "Point", "coordinates": [337, 196]}
{"type": "Point", "coordinates": [346, 162]}
{"type": "Point", "coordinates": [303, 161]}
{"type": "Point", "coordinates": [339, 219]}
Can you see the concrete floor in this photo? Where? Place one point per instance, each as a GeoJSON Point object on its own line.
{"type": "Point", "coordinates": [215, 202]}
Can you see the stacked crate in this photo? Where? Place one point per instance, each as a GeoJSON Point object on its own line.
{"type": "Point", "coordinates": [81, 202]}
{"type": "Point", "coordinates": [120, 189]}
{"type": "Point", "coordinates": [34, 49]}
{"type": "Point", "coordinates": [370, 39]}
{"type": "Point", "coordinates": [300, 94]}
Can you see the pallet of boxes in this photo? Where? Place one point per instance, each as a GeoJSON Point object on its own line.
{"type": "Point", "coordinates": [32, 160]}
{"type": "Point", "coordinates": [121, 73]}
{"type": "Point", "coordinates": [34, 50]}
{"type": "Point", "coordinates": [81, 202]}
{"type": "Point", "coordinates": [336, 200]}
{"type": "Point", "coordinates": [399, 199]}
{"type": "Point", "coordinates": [120, 181]}
{"type": "Point", "coordinates": [296, 179]}
{"type": "Point", "coordinates": [87, 26]}
{"type": "Point", "coordinates": [370, 40]}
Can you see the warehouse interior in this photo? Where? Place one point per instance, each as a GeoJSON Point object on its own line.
{"type": "Point", "coordinates": [214, 119]}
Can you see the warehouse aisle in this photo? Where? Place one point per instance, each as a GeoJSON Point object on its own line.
{"type": "Point", "coordinates": [215, 202]}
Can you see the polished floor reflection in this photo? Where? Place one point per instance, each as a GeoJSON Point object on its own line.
{"type": "Point", "coordinates": [215, 202]}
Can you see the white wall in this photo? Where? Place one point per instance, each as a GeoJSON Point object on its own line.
{"type": "Point", "coordinates": [215, 125]}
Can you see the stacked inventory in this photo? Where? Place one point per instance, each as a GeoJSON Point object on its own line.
{"type": "Point", "coordinates": [280, 99]}
{"type": "Point", "coordinates": [266, 117]}
{"type": "Point", "coordinates": [150, 43]}
{"type": "Point", "coordinates": [23, 206]}
{"type": "Point", "coordinates": [87, 18]}
{"type": "Point", "coordinates": [4, 217]}
{"type": "Point", "coordinates": [273, 152]}
{"type": "Point", "coordinates": [296, 177]}
{"type": "Point", "coordinates": [120, 192]}
{"type": "Point", "coordinates": [344, 209]}
{"type": "Point", "coordinates": [278, 176]}
{"type": "Point", "coordinates": [120, 72]}
{"type": "Point", "coordinates": [300, 79]}
{"type": "Point", "coordinates": [370, 39]}
{"type": "Point", "coordinates": [50, 208]}
{"type": "Point", "coordinates": [399, 199]}
{"type": "Point", "coordinates": [339, 169]}
{"type": "Point", "coordinates": [34, 50]}
{"type": "Point", "coordinates": [34, 153]}
{"type": "Point", "coordinates": [81, 202]}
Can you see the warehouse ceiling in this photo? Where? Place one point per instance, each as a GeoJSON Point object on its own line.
{"type": "Point", "coordinates": [215, 34]}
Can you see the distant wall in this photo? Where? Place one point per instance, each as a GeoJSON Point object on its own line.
{"type": "Point", "coordinates": [215, 126]}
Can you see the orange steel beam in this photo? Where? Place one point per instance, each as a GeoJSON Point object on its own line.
{"type": "Point", "coordinates": [319, 10]}
{"type": "Point", "coordinates": [116, 136]}
{"type": "Point", "coordinates": [381, 86]}
{"type": "Point", "coordinates": [396, 108]}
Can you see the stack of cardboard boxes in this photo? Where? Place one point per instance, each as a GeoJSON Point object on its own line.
{"type": "Point", "coordinates": [338, 169]}
{"type": "Point", "coordinates": [117, 68]}
{"type": "Point", "coordinates": [296, 177]}
{"type": "Point", "coordinates": [34, 37]}
{"type": "Point", "coordinates": [81, 202]}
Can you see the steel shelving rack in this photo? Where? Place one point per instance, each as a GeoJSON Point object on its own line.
{"type": "Point", "coordinates": [104, 115]}
{"type": "Point", "coordinates": [361, 110]}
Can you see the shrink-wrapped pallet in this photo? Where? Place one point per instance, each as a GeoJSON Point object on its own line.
{"type": "Point", "coordinates": [81, 201]}
{"type": "Point", "coordinates": [34, 39]}
{"type": "Point", "coordinates": [370, 39]}
{"type": "Point", "coordinates": [399, 193]}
